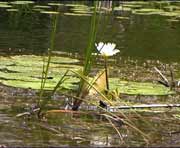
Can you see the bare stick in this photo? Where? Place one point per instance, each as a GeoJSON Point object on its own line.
{"type": "Point", "coordinates": [162, 76]}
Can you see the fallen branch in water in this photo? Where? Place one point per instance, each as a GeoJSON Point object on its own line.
{"type": "Point", "coordinates": [113, 108]}
{"type": "Point", "coordinates": [28, 113]}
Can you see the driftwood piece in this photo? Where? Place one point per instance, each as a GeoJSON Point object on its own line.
{"type": "Point", "coordinates": [28, 113]}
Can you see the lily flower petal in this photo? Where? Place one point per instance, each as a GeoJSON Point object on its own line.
{"type": "Point", "coordinates": [99, 46]}
{"type": "Point", "coordinates": [107, 49]}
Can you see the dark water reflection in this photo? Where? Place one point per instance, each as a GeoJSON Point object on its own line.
{"type": "Point", "coordinates": [141, 36]}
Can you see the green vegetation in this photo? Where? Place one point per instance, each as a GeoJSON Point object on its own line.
{"type": "Point", "coordinates": [25, 71]}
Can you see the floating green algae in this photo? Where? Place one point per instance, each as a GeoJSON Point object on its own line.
{"type": "Point", "coordinates": [25, 71]}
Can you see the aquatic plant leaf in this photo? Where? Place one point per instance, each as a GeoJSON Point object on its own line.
{"type": "Point", "coordinates": [77, 14]}
{"type": "Point", "coordinates": [55, 4]}
{"type": "Point", "coordinates": [41, 6]}
{"type": "Point", "coordinates": [75, 5]}
{"type": "Point", "coordinates": [49, 12]}
{"type": "Point", "coordinates": [122, 18]}
{"type": "Point", "coordinates": [22, 2]}
{"type": "Point", "coordinates": [25, 71]}
{"type": "Point", "coordinates": [3, 2]}
{"type": "Point", "coordinates": [5, 6]}
{"type": "Point", "coordinates": [120, 8]}
{"type": "Point", "coordinates": [99, 82]}
{"type": "Point", "coordinates": [12, 10]}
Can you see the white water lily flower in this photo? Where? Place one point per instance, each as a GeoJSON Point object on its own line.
{"type": "Point", "coordinates": [107, 49]}
{"type": "Point", "coordinates": [178, 84]}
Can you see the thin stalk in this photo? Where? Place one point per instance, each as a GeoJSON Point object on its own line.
{"type": "Point", "coordinates": [60, 82]}
{"type": "Point", "coordinates": [49, 53]}
{"type": "Point", "coordinates": [106, 72]}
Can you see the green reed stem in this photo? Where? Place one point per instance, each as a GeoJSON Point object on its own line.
{"type": "Point", "coordinates": [90, 47]}
{"type": "Point", "coordinates": [46, 69]}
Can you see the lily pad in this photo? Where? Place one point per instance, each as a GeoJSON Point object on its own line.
{"type": "Point", "coordinates": [75, 5]}
{"type": "Point", "coordinates": [173, 20]}
{"type": "Point", "coordinates": [4, 3]}
{"type": "Point", "coordinates": [141, 88]}
{"type": "Point", "coordinates": [28, 70]}
{"type": "Point", "coordinates": [135, 3]}
{"type": "Point", "coordinates": [122, 18]}
{"type": "Point", "coordinates": [37, 9]}
{"type": "Point", "coordinates": [55, 4]}
{"type": "Point", "coordinates": [12, 10]}
{"type": "Point", "coordinates": [5, 6]}
{"type": "Point", "coordinates": [25, 71]}
{"type": "Point", "coordinates": [133, 6]}
{"type": "Point", "coordinates": [22, 2]}
{"type": "Point", "coordinates": [77, 14]}
{"type": "Point", "coordinates": [120, 8]}
{"type": "Point", "coordinates": [148, 10]}
{"type": "Point", "coordinates": [49, 12]}
{"type": "Point", "coordinates": [42, 6]}
{"type": "Point", "coordinates": [83, 12]}
{"type": "Point", "coordinates": [171, 8]}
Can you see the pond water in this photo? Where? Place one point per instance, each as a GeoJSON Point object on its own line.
{"type": "Point", "coordinates": [147, 34]}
